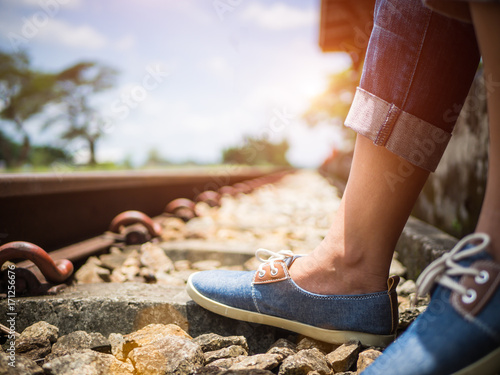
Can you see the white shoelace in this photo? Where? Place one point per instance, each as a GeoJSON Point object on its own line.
{"type": "Point", "coordinates": [443, 269]}
{"type": "Point", "coordinates": [271, 257]}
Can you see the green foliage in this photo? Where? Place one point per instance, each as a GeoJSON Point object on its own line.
{"type": "Point", "coordinates": [38, 155]}
{"type": "Point", "coordinates": [77, 85]}
{"type": "Point", "coordinates": [332, 106]}
{"type": "Point", "coordinates": [48, 155]}
{"type": "Point", "coordinates": [155, 159]}
{"type": "Point", "coordinates": [9, 150]}
{"type": "Point", "coordinates": [25, 92]}
{"type": "Point", "coordinates": [257, 152]}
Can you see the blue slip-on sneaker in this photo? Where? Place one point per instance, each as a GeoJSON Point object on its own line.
{"type": "Point", "coordinates": [269, 296]}
{"type": "Point", "coordinates": [459, 332]}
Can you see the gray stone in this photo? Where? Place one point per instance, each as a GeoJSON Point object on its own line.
{"type": "Point", "coordinates": [305, 361]}
{"type": "Point", "coordinates": [229, 352]}
{"type": "Point", "coordinates": [407, 288]}
{"type": "Point", "coordinates": [366, 358]}
{"type": "Point", "coordinates": [148, 335]}
{"type": "Point", "coordinates": [283, 348]}
{"type": "Point", "coordinates": [282, 352]}
{"type": "Point", "coordinates": [283, 343]}
{"type": "Point", "coordinates": [117, 276]}
{"type": "Point", "coordinates": [310, 343]}
{"type": "Point", "coordinates": [210, 370]}
{"type": "Point", "coordinates": [170, 355]}
{"type": "Point", "coordinates": [182, 265]}
{"type": "Point", "coordinates": [183, 275]}
{"type": "Point", "coordinates": [211, 341]}
{"type": "Point", "coordinates": [36, 341]}
{"type": "Point", "coordinates": [225, 363]}
{"type": "Point", "coordinates": [206, 265]}
{"type": "Point", "coordinates": [247, 372]}
{"type": "Point", "coordinates": [168, 279]}
{"type": "Point", "coordinates": [91, 273]}
{"type": "Point", "coordinates": [342, 358]}
{"type": "Point", "coordinates": [88, 362]}
{"type": "Point", "coordinates": [407, 317]}
{"type": "Point", "coordinates": [133, 259]}
{"type": "Point", "coordinates": [154, 257]}
{"type": "Point", "coordinates": [116, 340]}
{"type": "Point", "coordinates": [18, 365]}
{"type": "Point", "coordinates": [258, 361]}
{"type": "Point", "coordinates": [200, 227]}
{"type": "Point", "coordinates": [130, 273]}
{"type": "Point", "coordinates": [397, 268]}
{"type": "Point", "coordinates": [420, 244]}
{"type": "Point", "coordinates": [77, 341]}
{"type": "Point", "coordinates": [113, 260]}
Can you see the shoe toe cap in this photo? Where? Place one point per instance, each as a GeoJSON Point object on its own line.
{"type": "Point", "coordinates": [231, 288]}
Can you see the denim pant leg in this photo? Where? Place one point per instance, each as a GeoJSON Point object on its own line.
{"type": "Point", "coordinates": [418, 70]}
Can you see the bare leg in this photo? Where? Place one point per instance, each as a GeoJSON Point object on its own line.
{"type": "Point", "coordinates": [486, 19]}
{"type": "Point", "coordinates": [356, 254]}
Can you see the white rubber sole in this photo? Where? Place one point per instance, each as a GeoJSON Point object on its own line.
{"type": "Point", "coordinates": [326, 335]}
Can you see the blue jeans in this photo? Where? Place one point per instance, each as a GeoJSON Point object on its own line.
{"type": "Point", "coordinates": [417, 72]}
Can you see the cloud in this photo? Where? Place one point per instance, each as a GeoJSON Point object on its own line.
{"type": "Point", "coordinates": [125, 43]}
{"type": "Point", "coordinates": [219, 66]}
{"type": "Point", "coordinates": [84, 36]}
{"type": "Point", "coordinates": [44, 4]}
{"type": "Point", "coordinates": [279, 16]}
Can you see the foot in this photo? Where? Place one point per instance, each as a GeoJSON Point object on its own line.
{"type": "Point", "coordinates": [459, 333]}
{"type": "Point", "coordinates": [317, 276]}
{"type": "Point", "coordinates": [270, 296]}
{"type": "Point", "coordinates": [335, 267]}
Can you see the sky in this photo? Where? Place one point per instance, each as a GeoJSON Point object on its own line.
{"type": "Point", "coordinates": [195, 76]}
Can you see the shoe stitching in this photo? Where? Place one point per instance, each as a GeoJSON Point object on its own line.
{"type": "Point", "coordinates": [339, 297]}
{"type": "Point", "coordinates": [285, 270]}
{"type": "Point", "coordinates": [490, 332]}
{"type": "Point", "coordinates": [254, 298]}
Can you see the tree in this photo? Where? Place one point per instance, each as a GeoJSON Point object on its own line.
{"type": "Point", "coordinates": [332, 106]}
{"type": "Point", "coordinates": [155, 159]}
{"type": "Point", "coordinates": [77, 86]}
{"type": "Point", "coordinates": [24, 93]}
{"type": "Point", "coordinates": [39, 156]}
{"type": "Point", "coordinates": [9, 150]}
{"type": "Point", "coordinates": [256, 151]}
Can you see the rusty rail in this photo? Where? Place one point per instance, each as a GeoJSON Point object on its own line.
{"type": "Point", "coordinates": [57, 210]}
{"type": "Point", "coordinates": [40, 208]}
{"type": "Point", "coordinates": [55, 271]}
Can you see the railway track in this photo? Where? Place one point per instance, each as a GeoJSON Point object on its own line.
{"type": "Point", "coordinates": [132, 286]}
{"type": "Point", "coordinates": [75, 215]}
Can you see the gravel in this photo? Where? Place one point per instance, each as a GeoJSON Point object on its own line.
{"type": "Point", "coordinates": [294, 213]}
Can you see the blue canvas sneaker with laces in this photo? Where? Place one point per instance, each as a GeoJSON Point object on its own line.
{"type": "Point", "coordinates": [459, 332]}
{"type": "Point", "coordinates": [269, 296]}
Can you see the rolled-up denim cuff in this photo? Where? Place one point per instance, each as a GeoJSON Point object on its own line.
{"type": "Point", "coordinates": [406, 135]}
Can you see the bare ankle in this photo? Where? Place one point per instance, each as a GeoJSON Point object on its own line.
{"type": "Point", "coordinates": [315, 277]}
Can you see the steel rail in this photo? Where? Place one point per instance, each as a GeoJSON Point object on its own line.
{"type": "Point", "coordinates": [55, 210]}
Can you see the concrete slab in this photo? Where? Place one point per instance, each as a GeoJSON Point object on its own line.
{"type": "Point", "coordinates": [229, 253]}
{"type": "Point", "coordinates": [124, 308]}
{"type": "Point", "coordinates": [420, 244]}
